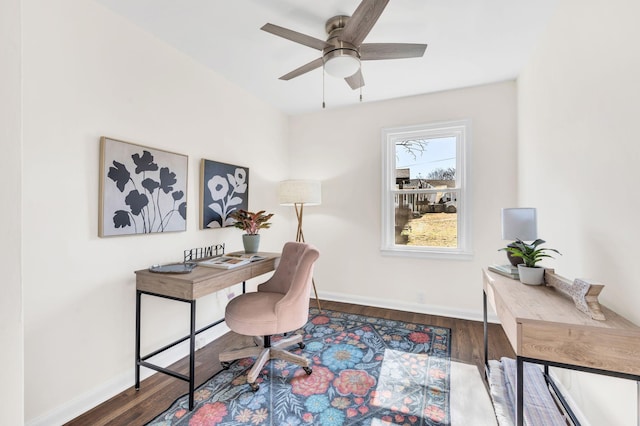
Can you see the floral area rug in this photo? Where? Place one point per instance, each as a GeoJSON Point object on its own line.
{"type": "Point", "coordinates": [366, 371]}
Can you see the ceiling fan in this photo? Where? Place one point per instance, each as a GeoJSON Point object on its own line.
{"type": "Point", "coordinates": [343, 50]}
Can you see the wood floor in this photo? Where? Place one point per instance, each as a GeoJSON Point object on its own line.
{"type": "Point", "coordinates": [159, 391]}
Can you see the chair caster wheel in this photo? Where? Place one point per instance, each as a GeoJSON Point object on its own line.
{"type": "Point", "coordinates": [225, 365]}
{"type": "Point", "coordinates": [301, 345]}
{"type": "Point", "coordinates": [307, 370]}
{"type": "Point", "coordinates": [254, 386]}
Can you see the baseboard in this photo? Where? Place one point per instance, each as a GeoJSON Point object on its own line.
{"type": "Point", "coordinates": [400, 305]}
{"type": "Point", "coordinates": [124, 381]}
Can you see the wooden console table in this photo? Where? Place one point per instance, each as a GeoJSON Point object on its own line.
{"type": "Point", "coordinates": [188, 288]}
{"type": "Point", "coordinates": [544, 327]}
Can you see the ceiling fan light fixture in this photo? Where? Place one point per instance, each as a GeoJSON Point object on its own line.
{"type": "Point", "coordinates": [341, 63]}
{"type": "Point", "coordinates": [344, 49]}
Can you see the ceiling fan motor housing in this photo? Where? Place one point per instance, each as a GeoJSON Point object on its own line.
{"type": "Point", "coordinates": [340, 58]}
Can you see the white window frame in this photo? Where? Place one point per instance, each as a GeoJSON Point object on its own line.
{"type": "Point", "coordinates": [461, 131]}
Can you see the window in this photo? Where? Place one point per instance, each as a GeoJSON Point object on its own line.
{"type": "Point", "coordinates": [425, 194]}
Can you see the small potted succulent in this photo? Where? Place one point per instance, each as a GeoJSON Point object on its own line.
{"type": "Point", "coordinates": [531, 254]}
{"type": "Point", "coordinates": [251, 223]}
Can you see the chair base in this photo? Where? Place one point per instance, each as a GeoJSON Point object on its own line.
{"type": "Point", "coordinates": [264, 354]}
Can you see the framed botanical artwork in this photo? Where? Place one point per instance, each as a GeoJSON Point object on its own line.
{"type": "Point", "coordinates": [224, 188]}
{"type": "Point", "coordinates": [142, 190]}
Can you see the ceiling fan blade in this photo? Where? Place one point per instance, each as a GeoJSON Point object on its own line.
{"type": "Point", "coordinates": [355, 81]}
{"type": "Point", "coordinates": [316, 63]}
{"type": "Point", "coordinates": [375, 51]}
{"type": "Point", "coordinates": [362, 20]}
{"type": "Point", "coordinates": [295, 36]}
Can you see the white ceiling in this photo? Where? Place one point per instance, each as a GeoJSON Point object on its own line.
{"type": "Point", "coordinates": [470, 42]}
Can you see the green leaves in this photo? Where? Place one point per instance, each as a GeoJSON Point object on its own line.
{"type": "Point", "coordinates": [530, 253]}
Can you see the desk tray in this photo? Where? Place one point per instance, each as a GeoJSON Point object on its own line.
{"type": "Point", "coordinates": [174, 268]}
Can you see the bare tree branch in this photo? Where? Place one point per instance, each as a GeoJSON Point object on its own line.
{"type": "Point", "coordinates": [413, 147]}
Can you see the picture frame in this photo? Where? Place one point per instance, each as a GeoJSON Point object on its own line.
{"type": "Point", "coordinates": [224, 188]}
{"type": "Point", "coordinates": [143, 190]}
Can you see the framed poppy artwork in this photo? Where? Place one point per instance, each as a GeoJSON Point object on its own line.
{"type": "Point", "coordinates": [224, 188]}
{"type": "Point", "coordinates": [142, 190]}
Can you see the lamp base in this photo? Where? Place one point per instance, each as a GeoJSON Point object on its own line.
{"type": "Point", "coordinates": [300, 239]}
{"type": "Point", "coordinates": [514, 260]}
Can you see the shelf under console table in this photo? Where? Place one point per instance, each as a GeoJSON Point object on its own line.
{"type": "Point", "coordinates": [544, 327]}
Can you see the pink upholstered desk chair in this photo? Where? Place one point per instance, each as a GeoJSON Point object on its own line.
{"type": "Point", "coordinates": [280, 305]}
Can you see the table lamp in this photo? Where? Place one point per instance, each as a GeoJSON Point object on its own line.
{"type": "Point", "coordinates": [299, 193]}
{"type": "Point", "coordinates": [519, 223]}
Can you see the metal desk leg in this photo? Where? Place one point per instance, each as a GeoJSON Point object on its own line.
{"type": "Point", "coordinates": [486, 334]}
{"type": "Point", "coordinates": [138, 300]}
{"type": "Point", "coordinates": [192, 350]}
{"type": "Point", "coordinates": [519, 392]}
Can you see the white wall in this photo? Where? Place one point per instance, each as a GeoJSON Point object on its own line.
{"type": "Point", "coordinates": [579, 101]}
{"type": "Point", "coordinates": [11, 315]}
{"type": "Point", "coordinates": [88, 73]}
{"type": "Point", "coordinates": [342, 148]}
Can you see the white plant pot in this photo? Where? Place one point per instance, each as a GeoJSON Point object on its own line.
{"type": "Point", "coordinates": [531, 276]}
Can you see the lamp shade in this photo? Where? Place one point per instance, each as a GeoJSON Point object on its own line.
{"type": "Point", "coordinates": [519, 223]}
{"type": "Point", "coordinates": [307, 192]}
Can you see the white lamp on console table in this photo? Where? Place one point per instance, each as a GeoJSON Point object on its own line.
{"type": "Point", "coordinates": [299, 193]}
{"type": "Point", "coordinates": [519, 223]}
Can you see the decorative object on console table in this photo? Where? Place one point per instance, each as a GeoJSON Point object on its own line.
{"type": "Point", "coordinates": [142, 190]}
{"type": "Point", "coordinates": [224, 188]}
{"type": "Point", "coordinates": [298, 193]}
{"type": "Point", "coordinates": [506, 270]}
{"type": "Point", "coordinates": [251, 223]}
{"type": "Point", "coordinates": [583, 292]}
{"type": "Point", "coordinates": [531, 254]}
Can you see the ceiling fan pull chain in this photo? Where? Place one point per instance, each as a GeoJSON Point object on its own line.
{"type": "Point", "coordinates": [361, 82]}
{"type": "Point", "coordinates": [323, 86]}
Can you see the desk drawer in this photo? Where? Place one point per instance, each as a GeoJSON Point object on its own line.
{"type": "Point", "coordinates": [220, 282]}
{"type": "Point", "coordinates": [605, 349]}
{"type": "Point", "coordinates": [263, 267]}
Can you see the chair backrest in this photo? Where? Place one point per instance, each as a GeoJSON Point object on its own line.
{"type": "Point", "coordinates": [293, 279]}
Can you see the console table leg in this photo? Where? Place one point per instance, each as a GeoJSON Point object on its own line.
{"type": "Point", "coordinates": [192, 350]}
{"type": "Point", "coordinates": [138, 302]}
{"type": "Point", "coordinates": [519, 392]}
{"type": "Point", "coordinates": [486, 334]}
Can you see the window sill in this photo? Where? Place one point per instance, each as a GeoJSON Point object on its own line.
{"type": "Point", "coordinates": [427, 254]}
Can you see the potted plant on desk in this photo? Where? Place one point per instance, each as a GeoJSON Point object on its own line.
{"type": "Point", "coordinates": [251, 223]}
{"type": "Point", "coordinates": [531, 254]}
